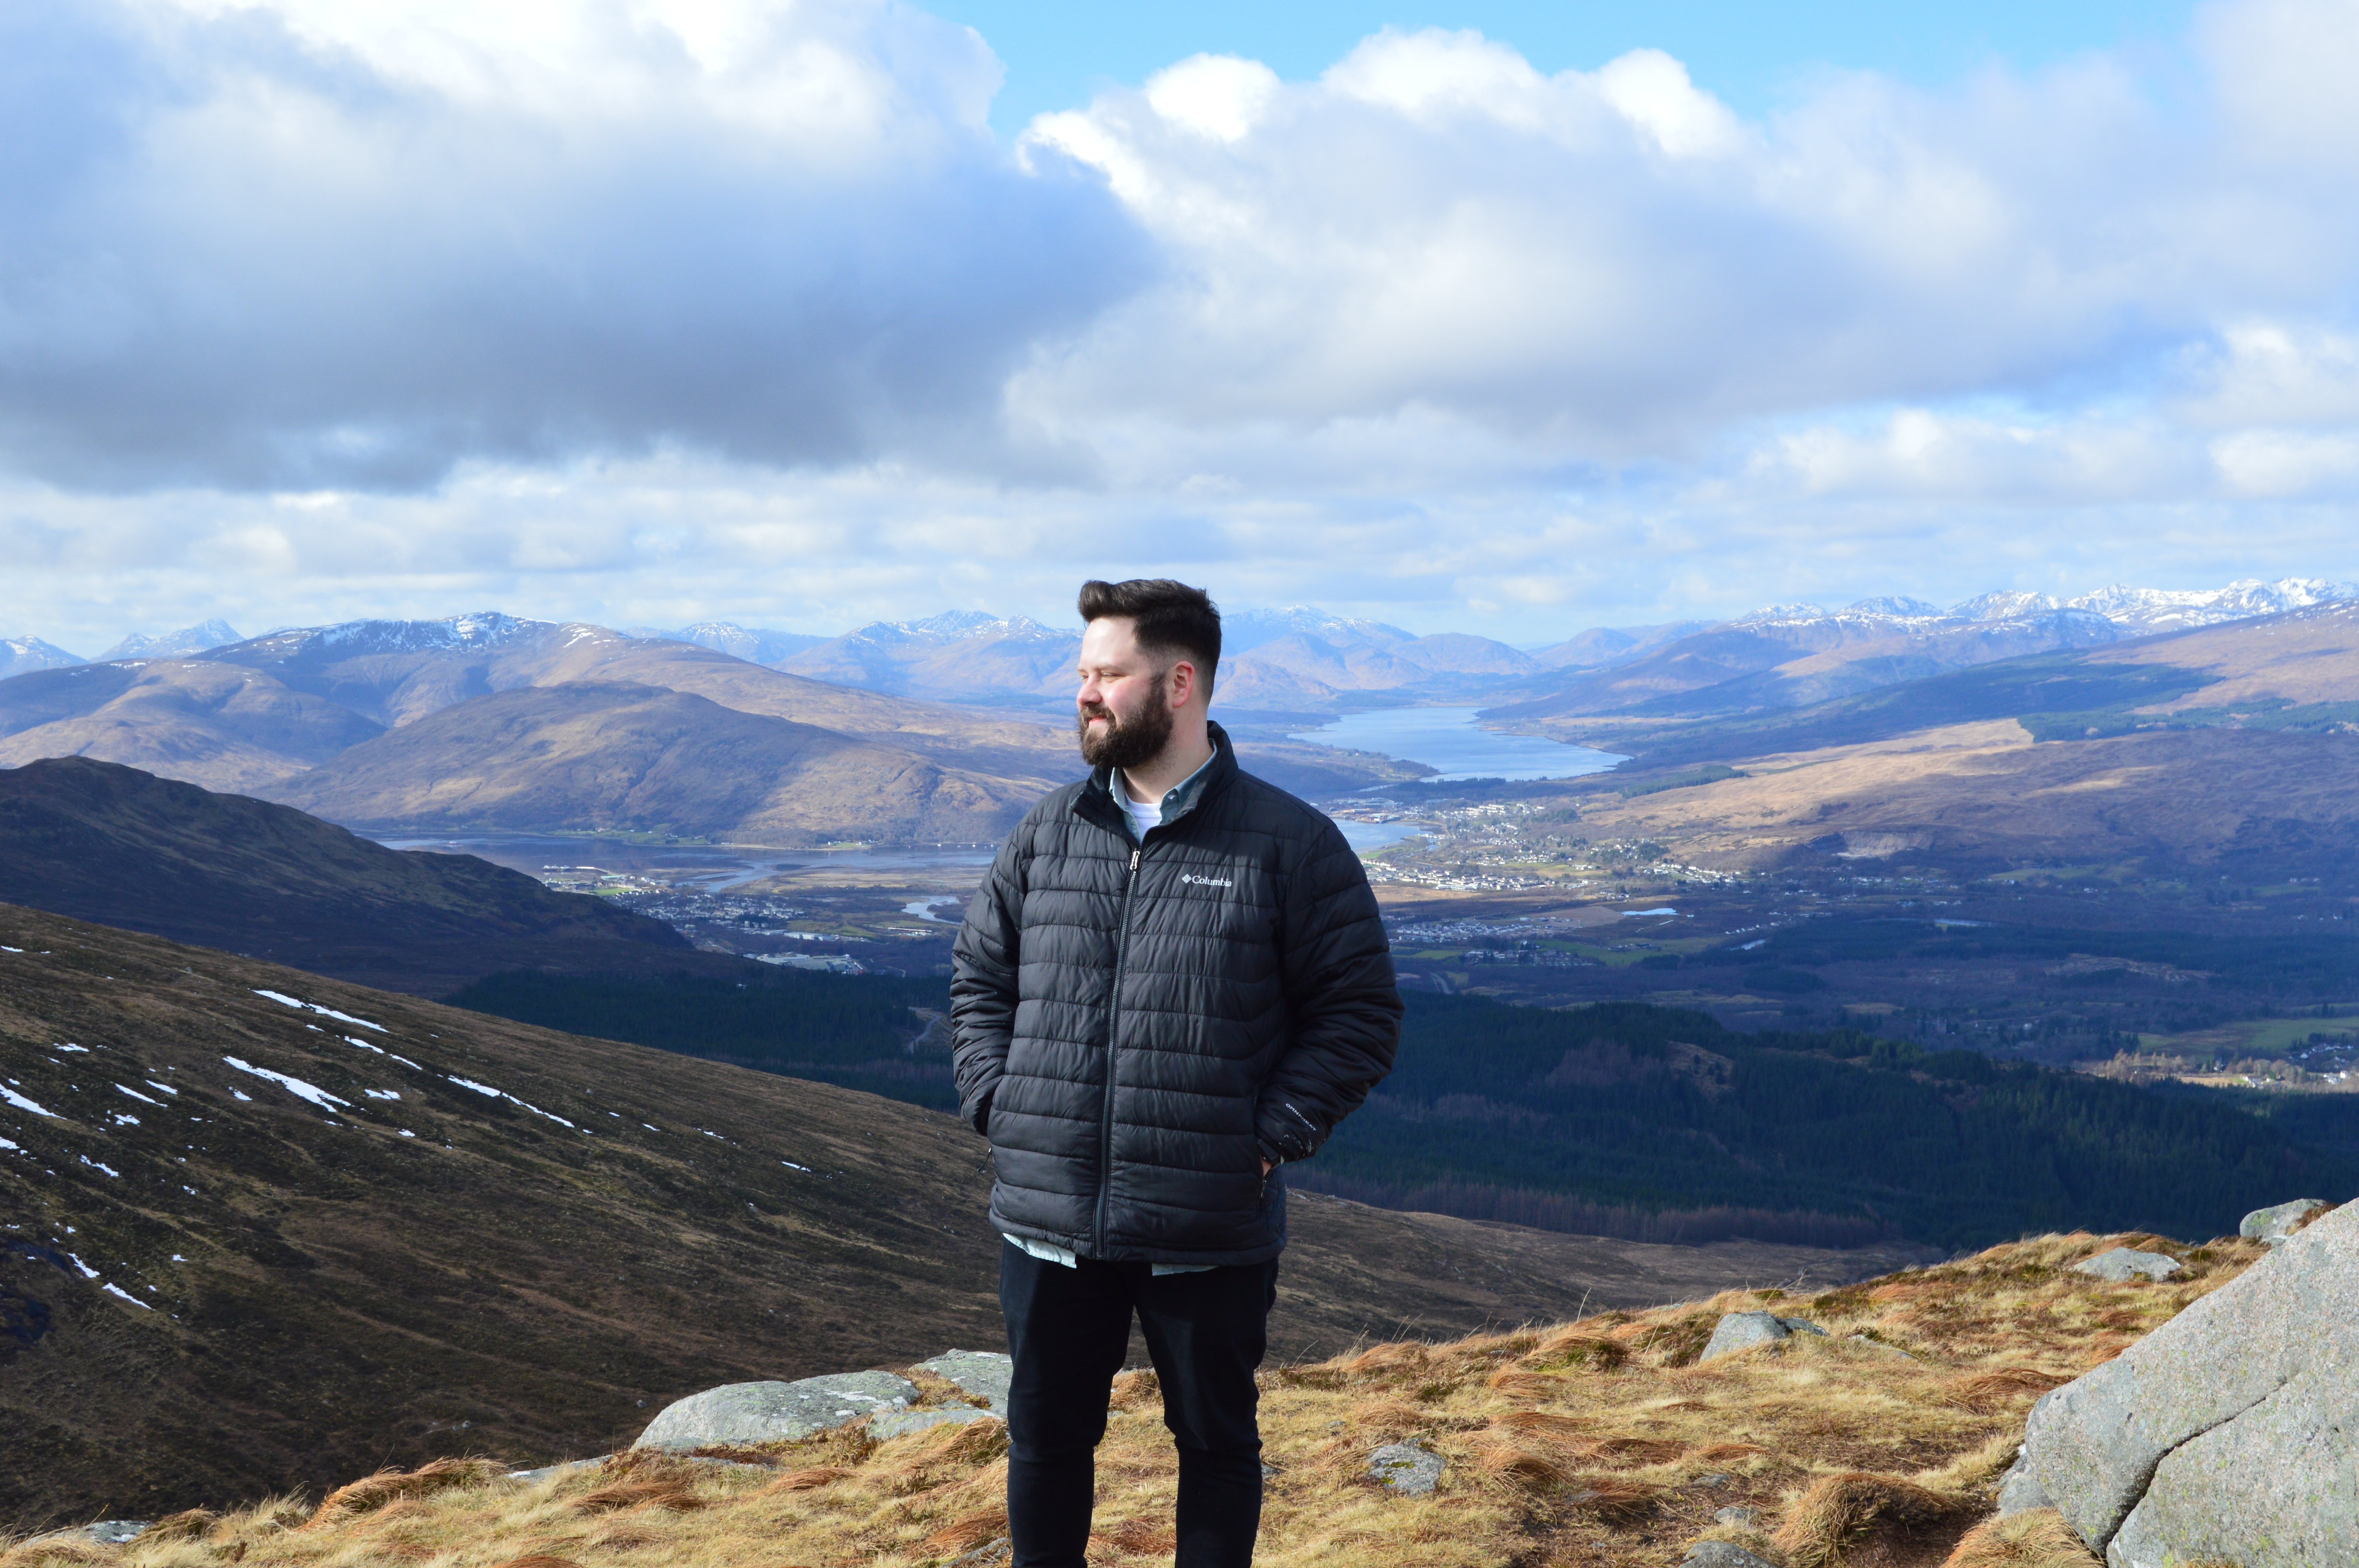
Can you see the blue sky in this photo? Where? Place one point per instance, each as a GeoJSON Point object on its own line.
{"type": "Point", "coordinates": [1502, 318]}
{"type": "Point", "coordinates": [1756, 56]}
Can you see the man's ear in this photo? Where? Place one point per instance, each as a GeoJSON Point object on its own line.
{"type": "Point", "coordinates": [1184, 682]}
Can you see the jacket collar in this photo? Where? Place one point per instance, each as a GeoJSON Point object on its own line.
{"type": "Point", "coordinates": [1097, 803]}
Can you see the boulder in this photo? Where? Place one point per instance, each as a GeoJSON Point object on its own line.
{"type": "Point", "coordinates": [2227, 1434]}
{"type": "Point", "coordinates": [2123, 1264]}
{"type": "Point", "coordinates": [2271, 1227]}
{"type": "Point", "coordinates": [1405, 1469]}
{"type": "Point", "coordinates": [109, 1531]}
{"type": "Point", "coordinates": [768, 1413]}
{"type": "Point", "coordinates": [901, 1423]}
{"type": "Point", "coordinates": [1721, 1554]}
{"type": "Point", "coordinates": [983, 1373]}
{"type": "Point", "coordinates": [2019, 1491]}
{"type": "Point", "coordinates": [1737, 1517]}
{"type": "Point", "coordinates": [1743, 1330]}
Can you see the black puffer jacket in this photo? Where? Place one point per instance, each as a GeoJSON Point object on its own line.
{"type": "Point", "coordinates": [1229, 977]}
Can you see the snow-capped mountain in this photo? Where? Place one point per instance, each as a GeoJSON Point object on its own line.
{"type": "Point", "coordinates": [23, 655]}
{"type": "Point", "coordinates": [2147, 609]}
{"type": "Point", "coordinates": [174, 645]}
{"type": "Point", "coordinates": [483, 628]}
{"type": "Point", "coordinates": [757, 645]}
{"type": "Point", "coordinates": [1249, 629]}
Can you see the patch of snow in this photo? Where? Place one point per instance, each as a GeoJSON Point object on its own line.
{"type": "Point", "coordinates": [1756, 942]}
{"type": "Point", "coordinates": [382, 1094]}
{"type": "Point", "coordinates": [164, 1088]}
{"type": "Point", "coordinates": [240, 1094]}
{"type": "Point", "coordinates": [651, 1127]}
{"type": "Point", "coordinates": [124, 1119]}
{"type": "Point", "coordinates": [791, 1165]}
{"type": "Point", "coordinates": [406, 1063]}
{"type": "Point", "coordinates": [364, 1046]}
{"type": "Point", "coordinates": [134, 1094]}
{"type": "Point", "coordinates": [295, 1087]}
{"type": "Point", "coordinates": [177, 1258]}
{"type": "Point", "coordinates": [86, 1271]}
{"type": "Point", "coordinates": [14, 1147]}
{"type": "Point", "coordinates": [21, 1103]}
{"type": "Point", "coordinates": [503, 1093]}
{"type": "Point", "coordinates": [283, 998]}
{"type": "Point", "coordinates": [126, 1296]}
{"type": "Point", "coordinates": [84, 1050]}
{"type": "Point", "coordinates": [11, 949]}
{"type": "Point", "coordinates": [99, 1165]}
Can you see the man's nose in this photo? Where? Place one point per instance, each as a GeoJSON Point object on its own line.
{"type": "Point", "coordinates": [1089, 693]}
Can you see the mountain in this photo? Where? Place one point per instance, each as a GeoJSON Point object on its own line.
{"type": "Point", "coordinates": [107, 843]}
{"type": "Point", "coordinates": [1791, 656]}
{"type": "Point", "coordinates": [1246, 630]}
{"type": "Point", "coordinates": [254, 716]}
{"type": "Point", "coordinates": [2164, 610]}
{"type": "Point", "coordinates": [19, 655]}
{"type": "Point", "coordinates": [2231, 744]}
{"type": "Point", "coordinates": [755, 647]}
{"type": "Point", "coordinates": [606, 756]}
{"type": "Point", "coordinates": [1603, 645]}
{"type": "Point", "coordinates": [269, 1231]}
{"type": "Point", "coordinates": [172, 644]}
{"type": "Point", "coordinates": [961, 656]}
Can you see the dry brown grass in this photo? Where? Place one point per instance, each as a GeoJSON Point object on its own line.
{"type": "Point", "coordinates": [2037, 1540]}
{"type": "Point", "coordinates": [1595, 1442]}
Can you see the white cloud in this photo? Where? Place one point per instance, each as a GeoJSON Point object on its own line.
{"type": "Point", "coordinates": [647, 309]}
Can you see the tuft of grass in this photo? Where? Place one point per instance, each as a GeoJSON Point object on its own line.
{"type": "Point", "coordinates": [1601, 1442]}
{"type": "Point", "coordinates": [2039, 1538]}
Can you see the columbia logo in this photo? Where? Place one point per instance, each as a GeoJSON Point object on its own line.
{"type": "Point", "coordinates": [1206, 882]}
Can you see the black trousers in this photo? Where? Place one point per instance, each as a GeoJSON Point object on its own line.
{"type": "Point", "coordinates": [1068, 1329]}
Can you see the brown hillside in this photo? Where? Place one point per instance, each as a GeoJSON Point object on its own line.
{"type": "Point", "coordinates": [125, 848]}
{"type": "Point", "coordinates": [1987, 789]}
{"type": "Point", "coordinates": [1602, 1441]}
{"type": "Point", "coordinates": [396, 1249]}
{"type": "Point", "coordinates": [607, 757]}
{"type": "Point", "coordinates": [209, 724]}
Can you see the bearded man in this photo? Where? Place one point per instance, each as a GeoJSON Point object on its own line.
{"type": "Point", "coordinates": [1174, 981]}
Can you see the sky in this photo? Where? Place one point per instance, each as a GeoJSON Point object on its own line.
{"type": "Point", "coordinates": [1505, 318]}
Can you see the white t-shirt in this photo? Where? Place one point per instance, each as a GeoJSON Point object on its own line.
{"type": "Point", "coordinates": [1144, 814]}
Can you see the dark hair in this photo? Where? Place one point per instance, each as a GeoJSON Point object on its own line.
{"type": "Point", "coordinates": [1168, 617]}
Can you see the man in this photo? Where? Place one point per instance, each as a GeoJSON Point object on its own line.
{"type": "Point", "coordinates": [1174, 980]}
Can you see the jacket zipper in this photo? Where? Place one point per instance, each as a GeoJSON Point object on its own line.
{"type": "Point", "coordinates": [1114, 1024]}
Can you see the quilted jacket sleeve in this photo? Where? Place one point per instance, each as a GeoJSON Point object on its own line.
{"type": "Point", "coordinates": [1344, 1007]}
{"type": "Point", "coordinates": [983, 963]}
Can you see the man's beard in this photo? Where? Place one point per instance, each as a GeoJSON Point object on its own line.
{"type": "Point", "coordinates": [1125, 743]}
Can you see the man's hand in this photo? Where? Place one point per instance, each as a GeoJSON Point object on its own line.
{"type": "Point", "coordinates": [1266, 1167]}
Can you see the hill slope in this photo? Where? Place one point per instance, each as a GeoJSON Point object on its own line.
{"type": "Point", "coordinates": [123, 847]}
{"type": "Point", "coordinates": [252, 1244]}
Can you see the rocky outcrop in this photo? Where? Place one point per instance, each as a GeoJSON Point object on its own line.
{"type": "Point", "coordinates": [985, 1374]}
{"type": "Point", "coordinates": [767, 1412]}
{"type": "Point", "coordinates": [2271, 1227]}
{"type": "Point", "coordinates": [2122, 1265]}
{"type": "Point", "coordinates": [2229, 1432]}
{"type": "Point", "coordinates": [1742, 1330]}
{"type": "Point", "coordinates": [1405, 1469]}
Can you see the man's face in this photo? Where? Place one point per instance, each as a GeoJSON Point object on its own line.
{"type": "Point", "coordinates": [1123, 710]}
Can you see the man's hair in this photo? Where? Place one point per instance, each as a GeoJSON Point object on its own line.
{"type": "Point", "coordinates": [1167, 618]}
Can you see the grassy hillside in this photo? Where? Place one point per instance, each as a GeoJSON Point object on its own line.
{"type": "Point", "coordinates": [1599, 1442]}
{"type": "Point", "coordinates": [248, 1244]}
{"type": "Point", "coordinates": [124, 848]}
{"type": "Point", "coordinates": [1624, 1120]}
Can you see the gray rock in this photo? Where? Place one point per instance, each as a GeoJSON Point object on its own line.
{"type": "Point", "coordinates": [1743, 1330]}
{"type": "Point", "coordinates": [2019, 1491]}
{"type": "Point", "coordinates": [2271, 1227]}
{"type": "Point", "coordinates": [984, 1373]}
{"type": "Point", "coordinates": [1722, 1554]}
{"type": "Point", "coordinates": [545, 1471]}
{"type": "Point", "coordinates": [767, 1413]}
{"type": "Point", "coordinates": [901, 1423]}
{"type": "Point", "coordinates": [1737, 1518]}
{"type": "Point", "coordinates": [109, 1531]}
{"type": "Point", "coordinates": [1405, 1469]}
{"type": "Point", "coordinates": [2227, 1431]}
{"type": "Point", "coordinates": [2123, 1263]}
{"type": "Point", "coordinates": [997, 1549]}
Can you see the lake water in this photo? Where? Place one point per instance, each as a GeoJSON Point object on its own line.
{"type": "Point", "coordinates": [711, 868]}
{"type": "Point", "coordinates": [1451, 739]}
